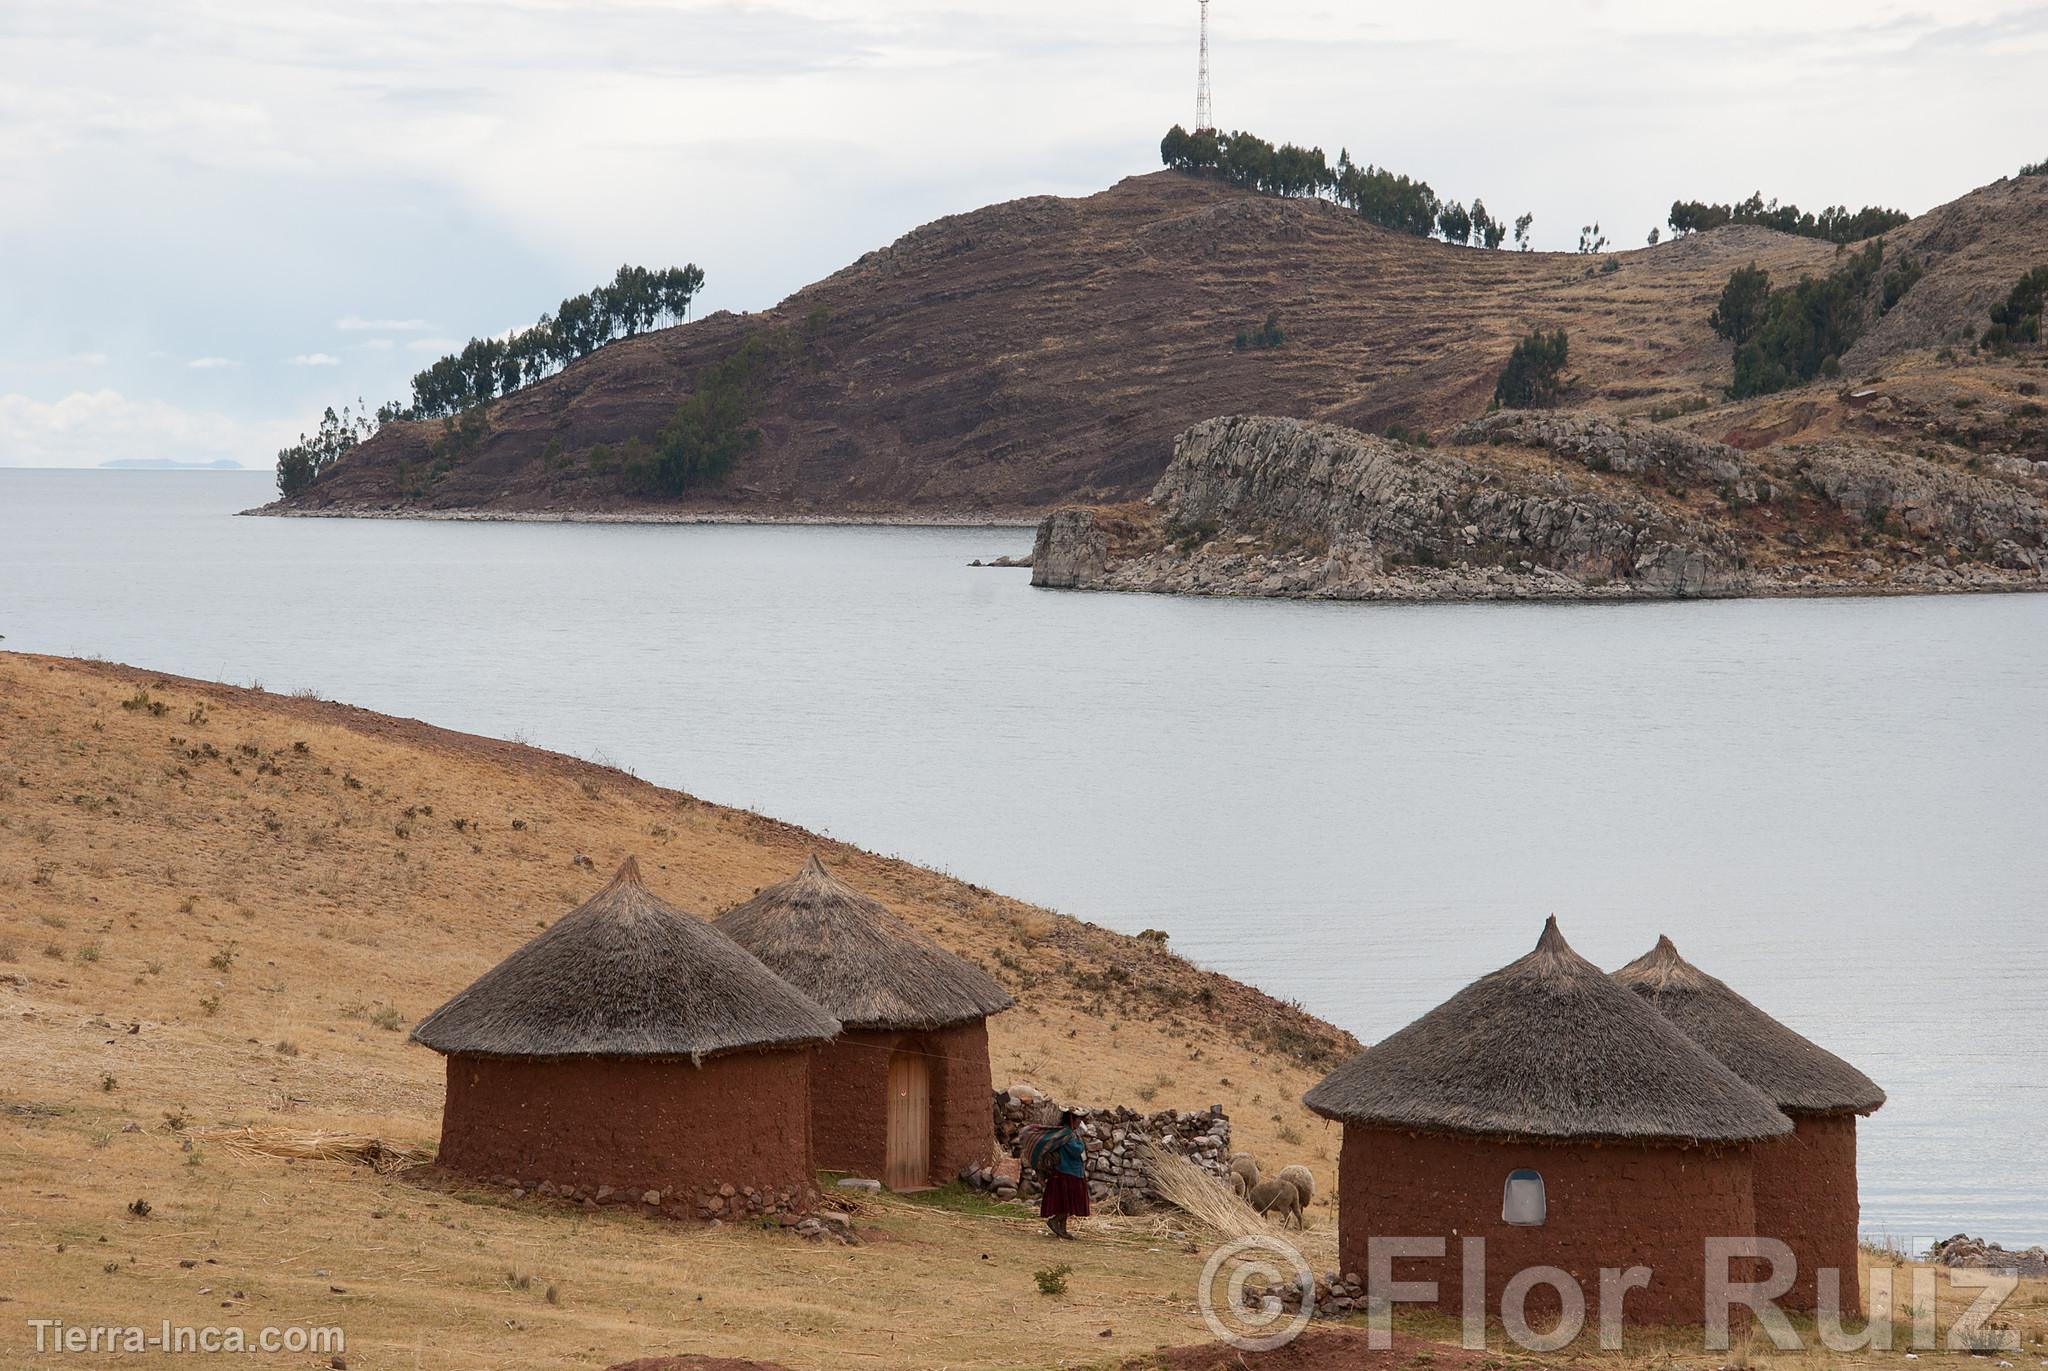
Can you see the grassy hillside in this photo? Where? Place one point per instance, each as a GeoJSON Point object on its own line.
{"type": "Point", "coordinates": [220, 907]}
{"type": "Point", "coordinates": [228, 907]}
{"type": "Point", "coordinates": [1048, 350]}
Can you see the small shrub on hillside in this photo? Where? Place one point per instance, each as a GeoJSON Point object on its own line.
{"type": "Point", "coordinates": [1899, 280]}
{"type": "Point", "coordinates": [1534, 375]}
{"type": "Point", "coordinates": [386, 1017]}
{"type": "Point", "coordinates": [2035, 169]}
{"type": "Point", "coordinates": [1267, 335]}
{"type": "Point", "coordinates": [140, 701]}
{"type": "Point", "coordinates": [1691, 404]}
{"type": "Point", "coordinates": [210, 1003]}
{"type": "Point", "coordinates": [223, 956]}
{"type": "Point", "coordinates": [1411, 437]}
{"type": "Point", "coordinates": [1052, 1280]}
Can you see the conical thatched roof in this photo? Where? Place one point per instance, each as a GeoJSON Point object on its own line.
{"type": "Point", "coordinates": [1547, 1047]}
{"type": "Point", "coordinates": [1797, 1074]}
{"type": "Point", "coordinates": [850, 954]}
{"type": "Point", "coordinates": [625, 975]}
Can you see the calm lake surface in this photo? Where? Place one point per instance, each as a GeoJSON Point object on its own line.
{"type": "Point", "coordinates": [1835, 805]}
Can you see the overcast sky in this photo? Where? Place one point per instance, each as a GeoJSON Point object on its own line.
{"type": "Point", "coordinates": [217, 216]}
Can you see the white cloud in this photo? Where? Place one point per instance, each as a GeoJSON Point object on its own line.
{"type": "Point", "coordinates": [314, 359]}
{"type": "Point", "coordinates": [354, 324]}
{"type": "Point", "coordinates": [89, 427]}
{"type": "Point", "coordinates": [376, 345]}
{"type": "Point", "coordinates": [210, 363]}
{"type": "Point", "coordinates": [87, 359]}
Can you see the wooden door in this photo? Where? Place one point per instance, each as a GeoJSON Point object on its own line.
{"type": "Point", "coordinates": [908, 1165]}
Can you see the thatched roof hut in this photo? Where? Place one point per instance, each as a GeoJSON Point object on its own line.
{"type": "Point", "coordinates": [1796, 1073]}
{"type": "Point", "coordinates": [625, 975]}
{"type": "Point", "coordinates": [848, 952]}
{"type": "Point", "coordinates": [1548, 1047]}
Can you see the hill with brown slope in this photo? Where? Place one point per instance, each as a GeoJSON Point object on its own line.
{"type": "Point", "coordinates": [224, 907]}
{"type": "Point", "coordinates": [1044, 350]}
{"type": "Point", "coordinates": [1048, 350]}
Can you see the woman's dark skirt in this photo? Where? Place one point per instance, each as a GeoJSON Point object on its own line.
{"type": "Point", "coordinates": [1064, 1194]}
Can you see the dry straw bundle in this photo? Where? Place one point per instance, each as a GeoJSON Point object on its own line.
{"type": "Point", "coordinates": [1201, 1196]}
{"type": "Point", "coordinates": [314, 1144]}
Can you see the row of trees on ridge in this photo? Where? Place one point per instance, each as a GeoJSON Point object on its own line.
{"type": "Point", "coordinates": [1386, 198]}
{"type": "Point", "coordinates": [1835, 224]}
{"type": "Point", "coordinates": [637, 299]}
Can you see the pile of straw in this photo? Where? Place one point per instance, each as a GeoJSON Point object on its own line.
{"type": "Point", "coordinates": [315, 1145]}
{"type": "Point", "coordinates": [1201, 1196]}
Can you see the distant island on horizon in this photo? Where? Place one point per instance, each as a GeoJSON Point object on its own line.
{"type": "Point", "coordinates": [170, 464]}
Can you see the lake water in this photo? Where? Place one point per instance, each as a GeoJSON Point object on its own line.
{"type": "Point", "coordinates": [1836, 805]}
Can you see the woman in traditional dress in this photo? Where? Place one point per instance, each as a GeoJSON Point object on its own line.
{"type": "Point", "coordinates": [1061, 1159]}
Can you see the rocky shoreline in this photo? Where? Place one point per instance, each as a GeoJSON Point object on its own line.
{"type": "Point", "coordinates": [940, 519]}
{"type": "Point", "coordinates": [1570, 507]}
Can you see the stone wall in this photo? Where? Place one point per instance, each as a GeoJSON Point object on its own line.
{"type": "Point", "coordinates": [1115, 1135]}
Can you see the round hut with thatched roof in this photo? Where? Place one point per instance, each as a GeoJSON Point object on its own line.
{"type": "Point", "coordinates": [1805, 1182]}
{"type": "Point", "coordinates": [903, 1094]}
{"type": "Point", "coordinates": [633, 1052]}
{"type": "Point", "coordinates": [1554, 1114]}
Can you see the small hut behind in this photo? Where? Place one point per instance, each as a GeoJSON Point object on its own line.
{"type": "Point", "coordinates": [633, 1050]}
{"type": "Point", "coordinates": [1547, 1110]}
{"type": "Point", "coordinates": [1805, 1185]}
{"type": "Point", "coordinates": [904, 1093]}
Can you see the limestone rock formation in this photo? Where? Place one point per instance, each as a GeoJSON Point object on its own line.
{"type": "Point", "coordinates": [1550, 505]}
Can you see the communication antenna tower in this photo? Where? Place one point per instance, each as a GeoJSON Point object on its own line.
{"type": "Point", "coordinates": [1204, 121]}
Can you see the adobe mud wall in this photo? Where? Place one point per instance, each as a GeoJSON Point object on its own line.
{"type": "Point", "coordinates": [1612, 1206]}
{"type": "Point", "coordinates": [620, 1128]}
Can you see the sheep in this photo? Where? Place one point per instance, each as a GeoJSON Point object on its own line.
{"type": "Point", "coordinates": [1244, 1173]}
{"type": "Point", "coordinates": [1304, 1181]}
{"type": "Point", "coordinates": [1268, 1196]}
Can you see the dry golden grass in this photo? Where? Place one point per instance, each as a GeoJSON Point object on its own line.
{"type": "Point", "coordinates": [228, 907]}
{"type": "Point", "coordinates": [220, 910]}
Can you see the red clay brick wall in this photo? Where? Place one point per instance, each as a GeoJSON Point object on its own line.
{"type": "Point", "coordinates": [1806, 1197]}
{"type": "Point", "coordinates": [850, 1098]}
{"type": "Point", "coordinates": [1612, 1206]}
{"type": "Point", "coordinates": [963, 1099]}
{"type": "Point", "coordinates": [850, 1102]}
{"type": "Point", "coordinates": [740, 1120]}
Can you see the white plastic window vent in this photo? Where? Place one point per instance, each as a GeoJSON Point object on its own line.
{"type": "Point", "coordinates": [1522, 1201]}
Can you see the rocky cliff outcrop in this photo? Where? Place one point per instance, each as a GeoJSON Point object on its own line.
{"type": "Point", "coordinates": [1546, 505]}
